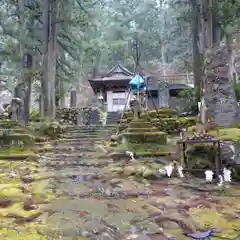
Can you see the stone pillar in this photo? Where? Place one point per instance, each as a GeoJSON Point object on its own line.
{"type": "Point", "coordinates": [73, 98]}
{"type": "Point", "coordinates": [219, 91]}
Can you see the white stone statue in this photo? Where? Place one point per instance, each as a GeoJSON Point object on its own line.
{"type": "Point", "coordinates": [227, 175]}
{"type": "Point", "coordinates": [209, 176]}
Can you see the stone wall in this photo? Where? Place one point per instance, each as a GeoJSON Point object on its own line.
{"type": "Point", "coordinates": [80, 116]}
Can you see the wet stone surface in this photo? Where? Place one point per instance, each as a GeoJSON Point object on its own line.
{"type": "Point", "coordinates": [94, 197]}
{"type": "Point", "coordinates": [92, 192]}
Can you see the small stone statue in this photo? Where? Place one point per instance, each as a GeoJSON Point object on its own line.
{"type": "Point", "coordinates": [209, 176]}
{"type": "Point", "coordinates": [183, 133]}
{"type": "Point", "coordinates": [135, 107]}
{"type": "Point", "coordinates": [15, 109]}
{"type": "Point", "coordinates": [227, 175]}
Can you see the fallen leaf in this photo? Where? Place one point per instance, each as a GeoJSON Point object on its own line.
{"type": "Point", "coordinates": [131, 209]}
{"type": "Point", "coordinates": [132, 236]}
{"type": "Point", "coordinates": [83, 213]}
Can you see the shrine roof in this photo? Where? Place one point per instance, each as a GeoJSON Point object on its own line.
{"type": "Point", "coordinates": [118, 72]}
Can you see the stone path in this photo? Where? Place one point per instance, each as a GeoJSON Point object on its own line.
{"type": "Point", "coordinates": [93, 194]}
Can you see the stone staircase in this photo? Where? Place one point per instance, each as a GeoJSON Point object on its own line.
{"type": "Point", "coordinates": [74, 165]}
{"type": "Point", "coordinates": [113, 117]}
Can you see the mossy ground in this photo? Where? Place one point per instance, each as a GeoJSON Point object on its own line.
{"type": "Point", "coordinates": [147, 149]}
{"type": "Point", "coordinates": [11, 190]}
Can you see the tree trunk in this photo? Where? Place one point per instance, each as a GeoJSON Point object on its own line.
{"type": "Point", "coordinates": [49, 61]}
{"type": "Point", "coordinates": [19, 89]}
{"type": "Point", "coordinates": [28, 89]}
{"type": "Point", "coordinates": [197, 58]}
{"type": "Point", "coordinates": [52, 57]}
{"type": "Point", "coordinates": [45, 90]}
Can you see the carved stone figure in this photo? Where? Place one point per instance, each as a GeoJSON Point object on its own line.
{"type": "Point", "coordinates": [135, 107]}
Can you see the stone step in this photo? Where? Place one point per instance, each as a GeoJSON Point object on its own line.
{"type": "Point", "coordinates": [75, 162]}
{"type": "Point", "coordinates": [81, 148]}
{"type": "Point", "coordinates": [81, 135]}
{"type": "Point", "coordinates": [92, 127]}
{"type": "Point", "coordinates": [80, 141]}
{"type": "Point", "coordinates": [88, 130]}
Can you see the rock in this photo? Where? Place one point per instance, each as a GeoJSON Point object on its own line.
{"type": "Point", "coordinates": [117, 156]}
{"type": "Point", "coordinates": [12, 174]}
{"type": "Point", "coordinates": [116, 169]}
{"type": "Point", "coordinates": [114, 138]}
{"type": "Point", "coordinates": [27, 179]}
{"type": "Point", "coordinates": [116, 181]}
{"type": "Point", "coordinates": [5, 202]}
{"type": "Point", "coordinates": [130, 170]}
{"type": "Point", "coordinates": [149, 174]}
{"type": "Point", "coordinates": [33, 157]}
{"type": "Point", "coordinates": [29, 205]}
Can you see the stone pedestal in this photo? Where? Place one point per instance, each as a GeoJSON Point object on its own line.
{"type": "Point", "coordinates": [219, 91]}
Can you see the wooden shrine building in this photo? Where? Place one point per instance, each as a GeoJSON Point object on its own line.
{"type": "Point", "coordinates": [113, 87]}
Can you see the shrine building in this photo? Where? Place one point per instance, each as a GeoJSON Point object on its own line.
{"type": "Point", "coordinates": [113, 88]}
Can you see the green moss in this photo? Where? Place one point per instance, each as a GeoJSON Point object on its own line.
{"type": "Point", "coordinates": [17, 210]}
{"type": "Point", "coordinates": [169, 125]}
{"type": "Point", "coordinates": [140, 124]}
{"type": "Point", "coordinates": [10, 234]}
{"type": "Point", "coordinates": [16, 139]}
{"type": "Point", "coordinates": [15, 150]}
{"type": "Point", "coordinates": [11, 190]}
{"type": "Point", "coordinates": [224, 134]}
{"type": "Point", "coordinates": [152, 129]}
{"type": "Point", "coordinates": [216, 219]}
{"type": "Point", "coordinates": [38, 190]}
{"type": "Point", "coordinates": [14, 153]}
{"type": "Point", "coordinates": [163, 112]}
{"type": "Point", "coordinates": [14, 130]}
{"type": "Point", "coordinates": [140, 137]}
{"type": "Point", "coordinates": [229, 134]}
{"type": "Point", "coordinates": [52, 130]}
{"type": "Point", "coordinates": [9, 124]}
{"type": "Point", "coordinates": [147, 149]}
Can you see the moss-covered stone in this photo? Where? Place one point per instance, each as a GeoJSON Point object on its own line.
{"type": "Point", "coordinates": [140, 124]}
{"type": "Point", "coordinates": [152, 129]}
{"type": "Point", "coordinates": [161, 113]}
{"type": "Point", "coordinates": [169, 125]}
{"type": "Point", "coordinates": [9, 124]}
{"type": "Point", "coordinates": [52, 130]}
{"type": "Point", "coordinates": [16, 139]}
{"type": "Point", "coordinates": [14, 153]}
{"type": "Point", "coordinates": [146, 137]}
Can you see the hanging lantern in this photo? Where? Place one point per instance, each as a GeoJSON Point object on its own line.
{"type": "Point", "coordinates": [137, 84]}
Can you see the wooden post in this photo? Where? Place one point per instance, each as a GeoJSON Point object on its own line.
{"type": "Point", "coordinates": [219, 155]}
{"type": "Point", "coordinates": [184, 154]}
{"type": "Point", "coordinates": [215, 148]}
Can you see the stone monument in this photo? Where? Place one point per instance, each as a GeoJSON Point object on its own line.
{"type": "Point", "coordinates": [219, 94]}
{"type": "Point", "coordinates": [164, 96]}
